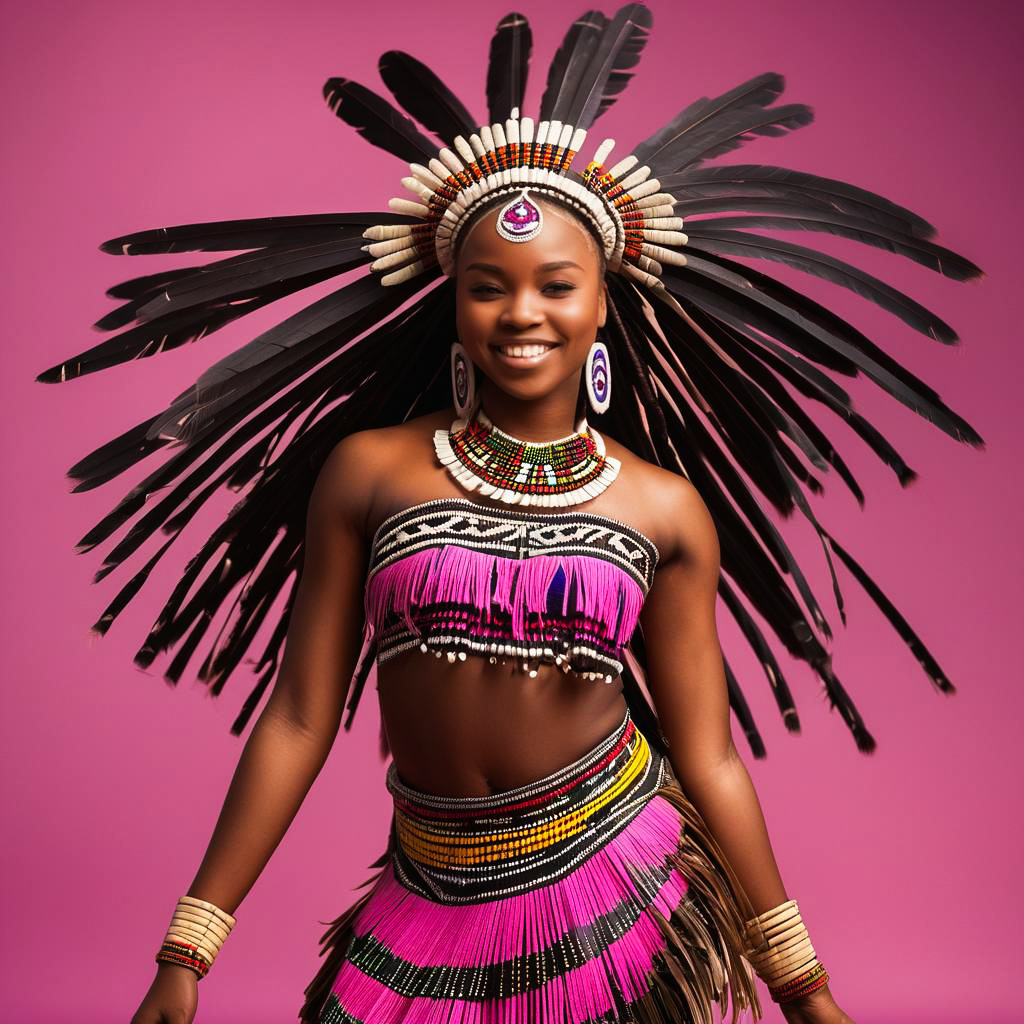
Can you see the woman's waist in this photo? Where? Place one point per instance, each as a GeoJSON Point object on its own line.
{"type": "Point", "coordinates": [480, 735]}
{"type": "Point", "coordinates": [610, 770]}
{"type": "Point", "coordinates": [466, 848]}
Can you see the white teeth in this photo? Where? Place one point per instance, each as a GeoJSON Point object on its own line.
{"type": "Point", "coordinates": [523, 351]}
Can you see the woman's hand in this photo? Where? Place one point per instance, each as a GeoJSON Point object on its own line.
{"type": "Point", "coordinates": [172, 998]}
{"type": "Point", "coordinates": [815, 1008]}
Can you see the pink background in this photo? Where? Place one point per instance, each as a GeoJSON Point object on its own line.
{"type": "Point", "coordinates": [123, 116]}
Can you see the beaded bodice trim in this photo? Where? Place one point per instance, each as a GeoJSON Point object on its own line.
{"type": "Point", "coordinates": [457, 577]}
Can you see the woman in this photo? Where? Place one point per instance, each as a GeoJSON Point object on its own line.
{"type": "Point", "coordinates": [559, 851]}
{"type": "Point", "coordinates": [472, 728]}
{"type": "Point", "coordinates": [478, 726]}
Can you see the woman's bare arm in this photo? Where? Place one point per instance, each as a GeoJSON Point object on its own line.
{"type": "Point", "coordinates": [293, 735]}
{"type": "Point", "coordinates": [686, 678]}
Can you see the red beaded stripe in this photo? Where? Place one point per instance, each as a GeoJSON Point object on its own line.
{"type": "Point", "coordinates": [804, 984]}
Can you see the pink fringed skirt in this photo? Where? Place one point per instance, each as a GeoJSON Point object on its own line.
{"type": "Point", "coordinates": [594, 894]}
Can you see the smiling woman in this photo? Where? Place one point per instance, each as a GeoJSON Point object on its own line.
{"type": "Point", "coordinates": [528, 313]}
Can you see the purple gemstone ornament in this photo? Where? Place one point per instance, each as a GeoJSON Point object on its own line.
{"type": "Point", "coordinates": [520, 220]}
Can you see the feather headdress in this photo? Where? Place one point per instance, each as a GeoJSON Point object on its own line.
{"type": "Point", "coordinates": [701, 378]}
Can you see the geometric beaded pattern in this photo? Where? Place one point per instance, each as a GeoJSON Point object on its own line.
{"type": "Point", "coordinates": [552, 468]}
{"type": "Point", "coordinates": [513, 532]}
{"type": "Point", "coordinates": [560, 633]}
{"type": "Point", "coordinates": [475, 849]}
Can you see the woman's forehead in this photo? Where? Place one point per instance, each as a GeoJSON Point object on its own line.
{"type": "Point", "coordinates": [562, 236]}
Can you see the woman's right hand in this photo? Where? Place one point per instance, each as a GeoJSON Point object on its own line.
{"type": "Point", "coordinates": [172, 998]}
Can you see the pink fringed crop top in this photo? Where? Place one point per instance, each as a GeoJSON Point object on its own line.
{"type": "Point", "coordinates": [457, 577]}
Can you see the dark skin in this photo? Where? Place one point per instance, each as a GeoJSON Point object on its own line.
{"type": "Point", "coordinates": [470, 727]}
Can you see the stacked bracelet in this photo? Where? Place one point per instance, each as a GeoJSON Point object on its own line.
{"type": "Point", "coordinates": [780, 951]}
{"type": "Point", "coordinates": [196, 933]}
{"type": "Point", "coordinates": [809, 981]}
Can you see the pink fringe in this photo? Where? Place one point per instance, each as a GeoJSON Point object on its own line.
{"type": "Point", "coordinates": [463, 576]}
{"type": "Point", "coordinates": [427, 933]}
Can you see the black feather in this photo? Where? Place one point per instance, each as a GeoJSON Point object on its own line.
{"type": "Point", "coordinates": [935, 257]}
{"type": "Point", "coordinates": [508, 65]}
{"type": "Point", "coordinates": [705, 235]}
{"type": "Point", "coordinates": [423, 95]}
{"type": "Point", "coordinates": [938, 678]}
{"type": "Point", "coordinates": [621, 43]}
{"type": "Point", "coordinates": [571, 60]}
{"type": "Point", "coordinates": [727, 132]}
{"type": "Point", "coordinates": [377, 120]}
{"type": "Point", "coordinates": [741, 709]}
{"type": "Point", "coordinates": [252, 233]}
{"type": "Point", "coordinates": [743, 181]}
{"type": "Point", "coordinates": [760, 91]}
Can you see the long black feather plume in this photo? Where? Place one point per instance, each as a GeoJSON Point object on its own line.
{"type": "Point", "coordinates": [619, 48]}
{"type": "Point", "coordinates": [377, 120]}
{"type": "Point", "coordinates": [742, 181]}
{"type": "Point", "coordinates": [760, 91]}
{"type": "Point", "coordinates": [423, 95]}
{"type": "Point", "coordinates": [573, 57]}
{"type": "Point", "coordinates": [508, 64]}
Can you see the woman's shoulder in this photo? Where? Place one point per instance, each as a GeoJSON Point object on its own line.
{"type": "Point", "coordinates": [669, 500]}
{"type": "Point", "coordinates": [650, 480]}
{"type": "Point", "coordinates": [358, 468]}
{"type": "Point", "coordinates": [378, 448]}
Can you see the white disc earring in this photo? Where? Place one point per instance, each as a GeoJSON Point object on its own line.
{"type": "Point", "coordinates": [463, 380]}
{"type": "Point", "coordinates": [599, 377]}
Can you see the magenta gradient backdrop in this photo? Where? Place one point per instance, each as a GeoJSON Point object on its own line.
{"type": "Point", "coordinates": [123, 116]}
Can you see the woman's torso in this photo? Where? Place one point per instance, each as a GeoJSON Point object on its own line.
{"type": "Point", "coordinates": [470, 727]}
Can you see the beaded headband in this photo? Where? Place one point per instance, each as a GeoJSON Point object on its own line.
{"type": "Point", "coordinates": [632, 217]}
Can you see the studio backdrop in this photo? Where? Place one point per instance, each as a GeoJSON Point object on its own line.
{"type": "Point", "coordinates": [124, 116]}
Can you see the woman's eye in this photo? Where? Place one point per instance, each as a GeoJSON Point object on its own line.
{"type": "Point", "coordinates": [560, 286]}
{"type": "Point", "coordinates": [484, 289]}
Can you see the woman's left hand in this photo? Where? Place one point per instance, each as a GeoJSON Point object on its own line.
{"type": "Point", "coordinates": [815, 1008]}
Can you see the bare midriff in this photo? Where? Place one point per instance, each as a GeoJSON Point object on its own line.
{"type": "Point", "coordinates": [472, 728]}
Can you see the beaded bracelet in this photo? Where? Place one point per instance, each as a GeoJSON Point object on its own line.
{"type": "Point", "coordinates": [802, 985]}
{"type": "Point", "coordinates": [183, 954]}
{"type": "Point", "coordinates": [195, 935]}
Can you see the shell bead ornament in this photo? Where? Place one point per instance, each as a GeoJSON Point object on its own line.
{"type": "Point", "coordinates": [520, 220]}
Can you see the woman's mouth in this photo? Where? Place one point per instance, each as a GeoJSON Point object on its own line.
{"type": "Point", "coordinates": [523, 353]}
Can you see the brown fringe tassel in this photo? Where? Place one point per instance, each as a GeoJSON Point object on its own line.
{"type": "Point", "coordinates": [335, 942]}
{"type": "Point", "coordinates": [703, 962]}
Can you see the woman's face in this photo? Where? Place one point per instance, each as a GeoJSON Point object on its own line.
{"type": "Point", "coordinates": [544, 299]}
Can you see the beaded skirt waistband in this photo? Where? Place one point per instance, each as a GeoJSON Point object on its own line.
{"type": "Point", "coordinates": [466, 849]}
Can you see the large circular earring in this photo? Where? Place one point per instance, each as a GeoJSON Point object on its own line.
{"type": "Point", "coordinates": [598, 373]}
{"type": "Point", "coordinates": [463, 380]}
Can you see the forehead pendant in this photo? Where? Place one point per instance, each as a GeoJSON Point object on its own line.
{"type": "Point", "coordinates": [520, 220]}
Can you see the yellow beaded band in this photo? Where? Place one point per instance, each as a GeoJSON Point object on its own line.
{"type": "Point", "coordinates": [196, 933]}
{"type": "Point", "coordinates": [780, 951]}
{"type": "Point", "coordinates": [431, 847]}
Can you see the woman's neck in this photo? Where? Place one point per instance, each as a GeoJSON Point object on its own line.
{"type": "Point", "coordinates": [541, 419]}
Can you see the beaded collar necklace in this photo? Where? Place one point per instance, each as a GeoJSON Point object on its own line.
{"type": "Point", "coordinates": [566, 471]}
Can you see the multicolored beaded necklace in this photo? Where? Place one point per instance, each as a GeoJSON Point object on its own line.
{"type": "Point", "coordinates": [566, 471]}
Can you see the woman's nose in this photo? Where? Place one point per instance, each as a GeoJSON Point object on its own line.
{"type": "Point", "coordinates": [521, 311]}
